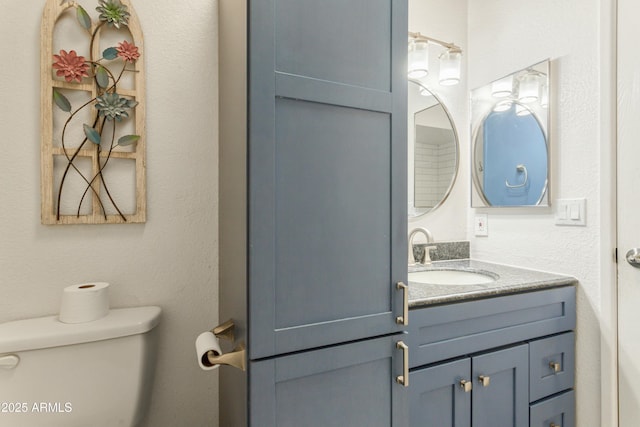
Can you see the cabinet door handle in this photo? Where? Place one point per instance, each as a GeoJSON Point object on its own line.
{"type": "Point", "coordinates": [485, 380]}
{"type": "Point", "coordinates": [556, 367]}
{"type": "Point", "coordinates": [554, 425]}
{"type": "Point", "coordinates": [466, 385]}
{"type": "Point", "coordinates": [404, 319]}
{"type": "Point", "coordinates": [404, 378]}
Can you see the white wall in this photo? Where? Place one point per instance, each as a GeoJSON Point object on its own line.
{"type": "Point", "coordinates": [170, 261]}
{"type": "Point", "coordinates": [507, 35]}
{"type": "Point", "coordinates": [446, 20]}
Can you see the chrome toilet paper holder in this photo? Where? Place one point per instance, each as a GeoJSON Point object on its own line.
{"type": "Point", "coordinates": [236, 358]}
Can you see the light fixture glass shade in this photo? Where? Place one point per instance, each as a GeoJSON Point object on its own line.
{"type": "Point", "coordinates": [529, 88]}
{"type": "Point", "coordinates": [418, 59]}
{"type": "Point", "coordinates": [424, 91]}
{"type": "Point", "coordinates": [450, 64]}
{"type": "Point", "coordinates": [502, 88]}
{"type": "Point", "coordinates": [522, 110]}
{"type": "Point", "coordinates": [503, 106]}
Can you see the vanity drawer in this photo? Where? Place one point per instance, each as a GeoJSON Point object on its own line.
{"type": "Point", "coordinates": [557, 411]}
{"type": "Point", "coordinates": [552, 362]}
{"type": "Point", "coordinates": [446, 331]}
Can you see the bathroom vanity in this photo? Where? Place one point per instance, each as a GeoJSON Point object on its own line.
{"type": "Point", "coordinates": [499, 353]}
{"type": "Point", "coordinates": [313, 241]}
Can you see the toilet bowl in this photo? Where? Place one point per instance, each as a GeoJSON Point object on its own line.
{"type": "Point", "coordinates": [94, 374]}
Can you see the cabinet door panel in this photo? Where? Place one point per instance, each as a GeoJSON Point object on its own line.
{"type": "Point", "coordinates": [503, 401]}
{"type": "Point", "coordinates": [552, 365]}
{"type": "Point", "coordinates": [558, 410]}
{"type": "Point", "coordinates": [345, 385]}
{"type": "Point", "coordinates": [327, 171]}
{"type": "Point", "coordinates": [436, 397]}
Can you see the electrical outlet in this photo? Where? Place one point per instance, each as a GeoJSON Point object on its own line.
{"type": "Point", "coordinates": [481, 225]}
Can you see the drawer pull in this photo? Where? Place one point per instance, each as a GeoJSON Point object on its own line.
{"type": "Point", "coordinates": [404, 378]}
{"type": "Point", "coordinates": [404, 319]}
{"type": "Point", "coordinates": [466, 385]}
{"type": "Point", "coordinates": [485, 380]}
{"type": "Point", "coordinates": [556, 367]}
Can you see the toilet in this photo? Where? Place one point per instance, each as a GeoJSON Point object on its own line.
{"type": "Point", "coordinates": [94, 374]}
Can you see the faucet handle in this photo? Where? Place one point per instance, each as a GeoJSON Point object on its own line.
{"type": "Point", "coordinates": [427, 253]}
{"type": "Point", "coordinates": [422, 253]}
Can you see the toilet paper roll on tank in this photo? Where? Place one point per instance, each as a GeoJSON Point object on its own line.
{"type": "Point", "coordinates": [84, 302]}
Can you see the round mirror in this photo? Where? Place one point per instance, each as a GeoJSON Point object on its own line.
{"type": "Point", "coordinates": [433, 150]}
{"type": "Point", "coordinates": [510, 154]}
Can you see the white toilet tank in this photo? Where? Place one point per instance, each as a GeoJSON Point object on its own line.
{"type": "Point", "coordinates": [94, 374]}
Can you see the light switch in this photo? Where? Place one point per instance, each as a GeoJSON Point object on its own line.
{"type": "Point", "coordinates": [562, 212]}
{"type": "Point", "coordinates": [571, 212]}
{"type": "Point", "coordinates": [575, 211]}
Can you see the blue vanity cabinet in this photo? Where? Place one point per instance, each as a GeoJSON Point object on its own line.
{"type": "Point", "coordinates": [506, 361]}
{"type": "Point", "coordinates": [500, 397]}
{"type": "Point", "coordinates": [313, 210]}
{"type": "Point", "coordinates": [345, 385]}
{"type": "Point", "coordinates": [440, 395]}
{"type": "Point", "coordinates": [327, 158]}
{"type": "Point", "coordinates": [486, 390]}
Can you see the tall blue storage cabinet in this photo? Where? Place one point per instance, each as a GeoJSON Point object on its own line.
{"type": "Point", "coordinates": [313, 219]}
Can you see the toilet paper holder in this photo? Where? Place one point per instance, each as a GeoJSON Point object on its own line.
{"type": "Point", "coordinates": [236, 358]}
{"type": "Point", "coordinates": [225, 330]}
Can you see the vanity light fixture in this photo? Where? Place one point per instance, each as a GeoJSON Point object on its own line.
{"type": "Point", "coordinates": [529, 87]}
{"type": "Point", "coordinates": [503, 106]}
{"type": "Point", "coordinates": [502, 88]}
{"type": "Point", "coordinates": [450, 59]}
{"type": "Point", "coordinates": [450, 64]}
{"type": "Point", "coordinates": [522, 110]}
{"type": "Point", "coordinates": [418, 59]}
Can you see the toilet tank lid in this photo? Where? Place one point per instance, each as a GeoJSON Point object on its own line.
{"type": "Point", "coordinates": [46, 332]}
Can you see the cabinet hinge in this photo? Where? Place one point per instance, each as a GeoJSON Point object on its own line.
{"type": "Point", "coordinates": [615, 255]}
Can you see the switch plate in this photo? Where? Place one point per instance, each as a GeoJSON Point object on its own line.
{"type": "Point", "coordinates": [571, 212]}
{"type": "Point", "coordinates": [481, 225]}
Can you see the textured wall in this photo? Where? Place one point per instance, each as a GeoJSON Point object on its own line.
{"type": "Point", "coordinates": [502, 36]}
{"type": "Point", "coordinates": [505, 36]}
{"type": "Point", "coordinates": [170, 261]}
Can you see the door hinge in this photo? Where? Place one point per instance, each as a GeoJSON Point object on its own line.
{"type": "Point", "coordinates": [615, 255]}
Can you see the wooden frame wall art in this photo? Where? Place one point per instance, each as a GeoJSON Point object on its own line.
{"type": "Point", "coordinates": [93, 114]}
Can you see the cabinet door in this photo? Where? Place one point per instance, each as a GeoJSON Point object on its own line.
{"type": "Point", "coordinates": [345, 385]}
{"type": "Point", "coordinates": [436, 397]}
{"type": "Point", "coordinates": [558, 410]}
{"type": "Point", "coordinates": [502, 400]}
{"type": "Point", "coordinates": [327, 171]}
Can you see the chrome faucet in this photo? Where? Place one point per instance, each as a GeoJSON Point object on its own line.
{"type": "Point", "coordinates": [427, 249]}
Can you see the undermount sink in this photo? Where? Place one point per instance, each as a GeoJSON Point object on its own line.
{"type": "Point", "coordinates": [452, 277]}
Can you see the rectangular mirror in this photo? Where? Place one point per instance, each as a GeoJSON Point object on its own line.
{"type": "Point", "coordinates": [510, 142]}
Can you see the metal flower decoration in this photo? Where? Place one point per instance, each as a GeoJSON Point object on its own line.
{"type": "Point", "coordinates": [110, 107]}
{"type": "Point", "coordinates": [71, 66]}
{"type": "Point", "coordinates": [113, 13]}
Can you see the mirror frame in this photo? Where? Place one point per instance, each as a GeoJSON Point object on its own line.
{"type": "Point", "coordinates": [478, 116]}
{"type": "Point", "coordinates": [413, 211]}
